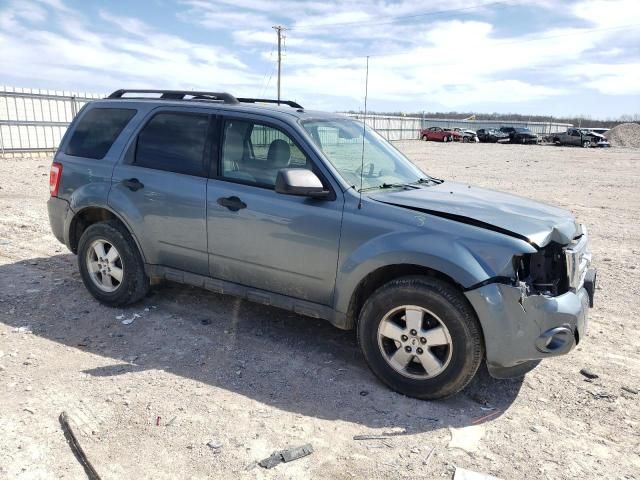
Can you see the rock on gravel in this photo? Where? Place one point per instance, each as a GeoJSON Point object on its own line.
{"type": "Point", "coordinates": [624, 135]}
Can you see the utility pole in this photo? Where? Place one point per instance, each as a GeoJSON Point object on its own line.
{"type": "Point", "coordinates": [279, 29]}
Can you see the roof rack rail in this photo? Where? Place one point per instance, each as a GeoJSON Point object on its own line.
{"type": "Point", "coordinates": [292, 104]}
{"type": "Point", "coordinates": [180, 94]}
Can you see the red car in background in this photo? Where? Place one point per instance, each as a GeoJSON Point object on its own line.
{"type": "Point", "coordinates": [440, 135]}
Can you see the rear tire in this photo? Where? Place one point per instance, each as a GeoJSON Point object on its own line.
{"type": "Point", "coordinates": [586, 144]}
{"type": "Point", "coordinates": [110, 264]}
{"type": "Point", "coordinates": [445, 139]}
{"type": "Point", "coordinates": [433, 360]}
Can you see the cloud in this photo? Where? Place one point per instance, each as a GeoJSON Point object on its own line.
{"type": "Point", "coordinates": [424, 58]}
{"type": "Point", "coordinates": [76, 53]}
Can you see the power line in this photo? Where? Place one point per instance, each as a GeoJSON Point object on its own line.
{"type": "Point", "coordinates": [269, 69]}
{"type": "Point", "coordinates": [388, 20]}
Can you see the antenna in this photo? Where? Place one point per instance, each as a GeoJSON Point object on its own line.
{"type": "Point", "coordinates": [364, 129]}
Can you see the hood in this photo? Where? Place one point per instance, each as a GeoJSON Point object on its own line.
{"type": "Point", "coordinates": [534, 222]}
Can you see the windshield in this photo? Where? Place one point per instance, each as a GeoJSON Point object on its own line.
{"type": "Point", "coordinates": [523, 130]}
{"type": "Point", "coordinates": [341, 142]}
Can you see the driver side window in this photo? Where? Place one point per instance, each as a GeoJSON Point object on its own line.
{"type": "Point", "coordinates": [253, 153]}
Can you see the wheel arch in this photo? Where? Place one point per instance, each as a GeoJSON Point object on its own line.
{"type": "Point", "coordinates": [382, 275]}
{"type": "Point", "coordinates": [89, 215]}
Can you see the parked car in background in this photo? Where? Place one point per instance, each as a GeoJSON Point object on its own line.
{"type": "Point", "coordinates": [520, 135]}
{"type": "Point", "coordinates": [467, 135]}
{"type": "Point", "coordinates": [580, 137]}
{"type": "Point", "coordinates": [491, 135]}
{"type": "Point", "coordinates": [439, 134]}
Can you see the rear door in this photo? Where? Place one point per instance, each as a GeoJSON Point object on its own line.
{"type": "Point", "coordinates": [160, 187]}
{"type": "Point", "coordinates": [262, 239]}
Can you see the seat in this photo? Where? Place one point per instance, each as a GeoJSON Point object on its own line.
{"type": "Point", "coordinates": [279, 154]}
{"type": "Point", "coordinates": [233, 160]}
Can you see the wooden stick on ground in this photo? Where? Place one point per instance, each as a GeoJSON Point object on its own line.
{"type": "Point", "coordinates": [76, 448]}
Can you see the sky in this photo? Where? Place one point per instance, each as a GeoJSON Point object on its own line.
{"type": "Point", "coordinates": [545, 57]}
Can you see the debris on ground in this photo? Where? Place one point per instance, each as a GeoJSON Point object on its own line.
{"type": "Point", "coordinates": [464, 474]}
{"type": "Point", "coordinates": [630, 390]}
{"type": "Point", "coordinates": [589, 374]}
{"type": "Point", "coordinates": [603, 395]}
{"type": "Point", "coordinates": [128, 321]}
{"type": "Point", "coordinates": [25, 329]}
{"type": "Point", "coordinates": [215, 445]}
{"type": "Point", "coordinates": [285, 456]}
{"type": "Point", "coordinates": [371, 437]}
{"type": "Point", "coordinates": [466, 438]}
{"type": "Point", "coordinates": [426, 460]}
{"type": "Point", "coordinates": [485, 417]}
{"type": "Point", "coordinates": [624, 135]}
{"type": "Point", "coordinates": [170, 422]}
{"type": "Point", "coordinates": [76, 448]}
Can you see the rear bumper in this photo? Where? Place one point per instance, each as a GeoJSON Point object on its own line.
{"type": "Point", "coordinates": [58, 209]}
{"type": "Point", "coordinates": [521, 330]}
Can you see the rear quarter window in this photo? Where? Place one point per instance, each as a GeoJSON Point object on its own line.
{"type": "Point", "coordinates": [97, 130]}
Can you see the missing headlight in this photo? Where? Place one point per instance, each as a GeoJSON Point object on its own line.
{"type": "Point", "coordinates": [545, 272]}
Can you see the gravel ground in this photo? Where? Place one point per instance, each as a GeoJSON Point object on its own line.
{"type": "Point", "coordinates": [197, 368]}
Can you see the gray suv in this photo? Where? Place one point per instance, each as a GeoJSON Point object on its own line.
{"type": "Point", "coordinates": [314, 213]}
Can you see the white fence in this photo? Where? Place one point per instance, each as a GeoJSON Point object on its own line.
{"type": "Point", "coordinates": [33, 120]}
{"type": "Point", "coordinates": [391, 127]}
{"type": "Point", "coordinates": [408, 128]}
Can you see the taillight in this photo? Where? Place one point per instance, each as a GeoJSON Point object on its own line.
{"type": "Point", "coordinates": [55, 174]}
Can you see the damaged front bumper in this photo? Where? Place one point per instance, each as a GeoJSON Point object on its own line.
{"type": "Point", "coordinates": [522, 327]}
{"type": "Point", "coordinates": [521, 330]}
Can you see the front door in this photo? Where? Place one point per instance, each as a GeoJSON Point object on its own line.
{"type": "Point", "coordinates": [160, 188]}
{"type": "Point", "coordinates": [262, 239]}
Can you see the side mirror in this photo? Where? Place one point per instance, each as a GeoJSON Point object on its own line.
{"type": "Point", "coordinates": [301, 182]}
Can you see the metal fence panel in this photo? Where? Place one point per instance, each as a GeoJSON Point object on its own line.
{"type": "Point", "coordinates": [34, 120]}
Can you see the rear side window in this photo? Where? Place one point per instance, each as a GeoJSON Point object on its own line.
{"type": "Point", "coordinates": [97, 130]}
{"type": "Point", "coordinates": [174, 142]}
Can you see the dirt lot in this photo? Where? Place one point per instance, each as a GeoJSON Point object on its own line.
{"type": "Point", "coordinates": [146, 398]}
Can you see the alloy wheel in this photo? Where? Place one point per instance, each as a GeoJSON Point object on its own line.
{"type": "Point", "coordinates": [104, 265]}
{"type": "Point", "coordinates": [415, 342]}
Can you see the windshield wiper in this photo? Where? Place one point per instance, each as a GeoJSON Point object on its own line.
{"type": "Point", "coordinates": [420, 181]}
{"type": "Point", "coordinates": [387, 185]}
{"type": "Point", "coordinates": [437, 181]}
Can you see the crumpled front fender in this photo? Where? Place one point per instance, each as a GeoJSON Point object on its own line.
{"type": "Point", "coordinates": [468, 261]}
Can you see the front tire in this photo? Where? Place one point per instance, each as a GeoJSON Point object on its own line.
{"type": "Point", "coordinates": [110, 264]}
{"type": "Point", "coordinates": [424, 137]}
{"type": "Point", "coordinates": [445, 139]}
{"type": "Point", "coordinates": [421, 337]}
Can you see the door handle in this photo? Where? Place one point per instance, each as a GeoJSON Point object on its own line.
{"type": "Point", "coordinates": [232, 203]}
{"type": "Point", "coordinates": [132, 184]}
